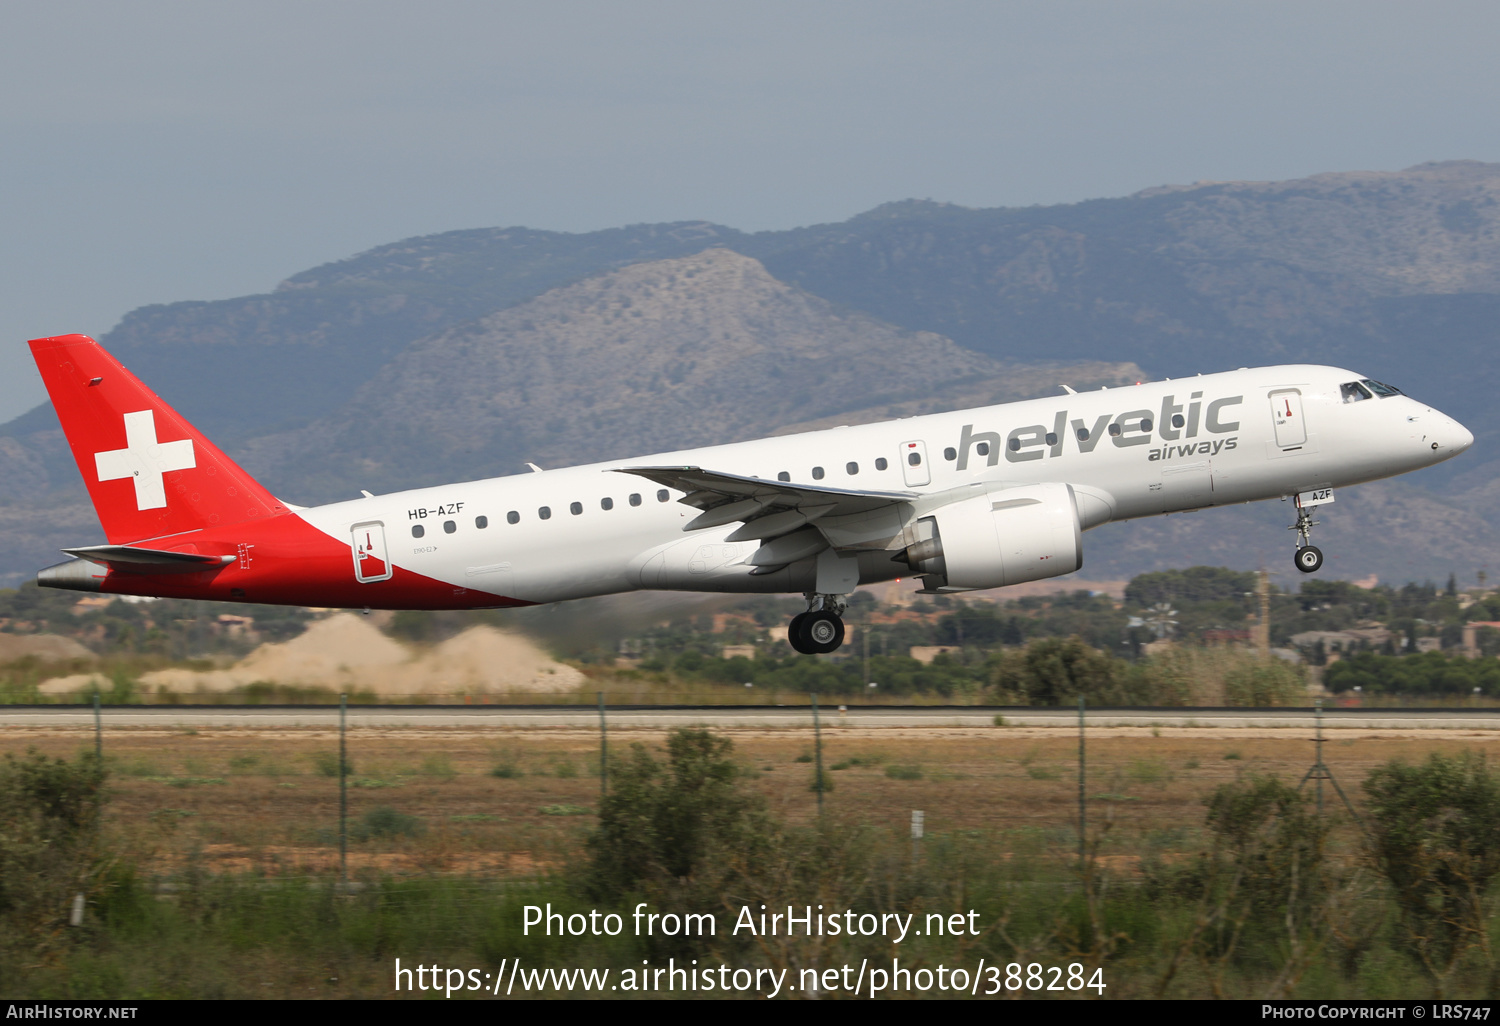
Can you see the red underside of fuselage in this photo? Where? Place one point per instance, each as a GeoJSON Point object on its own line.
{"type": "Point", "coordinates": [287, 561]}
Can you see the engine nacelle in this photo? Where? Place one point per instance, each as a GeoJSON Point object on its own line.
{"type": "Point", "coordinates": [1006, 537]}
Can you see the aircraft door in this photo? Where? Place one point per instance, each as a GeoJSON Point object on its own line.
{"type": "Point", "coordinates": [1286, 414]}
{"type": "Point", "coordinates": [914, 464]}
{"type": "Point", "coordinates": [371, 562]}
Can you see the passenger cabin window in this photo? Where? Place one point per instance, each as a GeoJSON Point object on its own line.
{"type": "Point", "coordinates": [851, 469]}
{"type": "Point", "coordinates": [449, 527]}
{"type": "Point", "coordinates": [1178, 420]}
{"type": "Point", "coordinates": [1051, 437]}
{"type": "Point", "coordinates": [513, 517]}
{"type": "Point", "coordinates": [783, 476]}
{"type": "Point", "coordinates": [1380, 389]}
{"type": "Point", "coordinates": [950, 454]}
{"type": "Point", "coordinates": [1083, 435]}
{"type": "Point", "coordinates": [417, 530]}
{"type": "Point", "coordinates": [1015, 445]}
{"type": "Point", "coordinates": [606, 503]}
{"type": "Point", "coordinates": [545, 513]}
{"type": "Point", "coordinates": [881, 463]}
{"type": "Point", "coordinates": [662, 496]}
{"type": "Point", "coordinates": [635, 498]}
{"type": "Point", "coordinates": [1353, 392]}
{"type": "Point", "coordinates": [1115, 430]}
{"type": "Point", "coordinates": [914, 459]}
{"type": "Point", "coordinates": [575, 508]}
{"type": "Point", "coordinates": [982, 448]}
{"type": "Point", "coordinates": [1146, 424]}
{"type": "Point", "coordinates": [817, 473]}
{"type": "Point", "coordinates": [481, 522]}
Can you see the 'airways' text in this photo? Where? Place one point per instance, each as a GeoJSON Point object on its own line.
{"type": "Point", "coordinates": [1212, 448]}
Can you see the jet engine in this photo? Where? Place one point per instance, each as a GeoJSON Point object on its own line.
{"type": "Point", "coordinates": [1004, 537]}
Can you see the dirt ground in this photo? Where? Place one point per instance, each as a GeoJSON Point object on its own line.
{"type": "Point", "coordinates": [241, 800]}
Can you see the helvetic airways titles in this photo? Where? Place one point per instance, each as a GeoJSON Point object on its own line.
{"type": "Point", "coordinates": [1134, 427]}
{"type": "Point", "coordinates": [765, 922]}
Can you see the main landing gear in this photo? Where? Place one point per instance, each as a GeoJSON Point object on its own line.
{"type": "Point", "coordinates": [821, 629]}
{"type": "Point", "coordinates": [1308, 557]}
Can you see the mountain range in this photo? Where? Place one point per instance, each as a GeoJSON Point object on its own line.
{"type": "Point", "coordinates": [469, 353]}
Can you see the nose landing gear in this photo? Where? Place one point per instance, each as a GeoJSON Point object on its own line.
{"type": "Point", "coordinates": [1308, 557]}
{"type": "Point", "coordinates": [819, 630]}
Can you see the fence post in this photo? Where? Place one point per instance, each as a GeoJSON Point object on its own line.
{"type": "Point", "coordinates": [1083, 821]}
{"type": "Point", "coordinates": [1318, 713]}
{"type": "Point", "coordinates": [603, 751]}
{"type": "Point", "coordinates": [98, 729]}
{"type": "Point", "coordinates": [818, 749]}
{"type": "Point", "coordinates": [343, 794]}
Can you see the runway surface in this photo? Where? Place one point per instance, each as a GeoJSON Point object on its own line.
{"type": "Point", "coordinates": [428, 717]}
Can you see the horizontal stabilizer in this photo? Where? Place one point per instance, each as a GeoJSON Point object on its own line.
{"type": "Point", "coordinates": [131, 560]}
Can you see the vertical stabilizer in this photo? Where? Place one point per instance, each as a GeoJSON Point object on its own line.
{"type": "Point", "coordinates": [149, 472]}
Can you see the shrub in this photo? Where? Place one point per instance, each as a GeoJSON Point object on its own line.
{"type": "Point", "coordinates": [327, 764]}
{"type": "Point", "coordinates": [1148, 771]}
{"type": "Point", "coordinates": [1276, 843]}
{"type": "Point", "coordinates": [1435, 834]}
{"type": "Point", "coordinates": [899, 772]}
{"type": "Point", "coordinates": [1265, 682]}
{"type": "Point", "coordinates": [506, 771]}
{"type": "Point", "coordinates": [439, 766]}
{"type": "Point", "coordinates": [386, 822]}
{"type": "Point", "coordinates": [662, 823]}
{"type": "Point", "coordinates": [49, 820]}
{"type": "Point", "coordinates": [1262, 892]}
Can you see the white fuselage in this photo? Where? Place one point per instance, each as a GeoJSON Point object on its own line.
{"type": "Point", "coordinates": [1244, 435]}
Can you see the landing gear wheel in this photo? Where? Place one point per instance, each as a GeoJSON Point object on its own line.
{"type": "Point", "coordinates": [821, 632]}
{"type": "Point", "coordinates": [794, 633]}
{"type": "Point", "coordinates": [1309, 559]}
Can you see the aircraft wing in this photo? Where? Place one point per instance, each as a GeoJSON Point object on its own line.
{"type": "Point", "coordinates": [767, 509]}
{"type": "Point", "coordinates": [131, 560]}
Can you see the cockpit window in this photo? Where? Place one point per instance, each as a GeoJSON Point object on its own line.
{"type": "Point", "coordinates": [1353, 392]}
{"type": "Point", "coordinates": [1379, 389]}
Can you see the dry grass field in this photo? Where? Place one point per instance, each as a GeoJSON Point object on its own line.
{"type": "Point", "coordinates": [514, 802]}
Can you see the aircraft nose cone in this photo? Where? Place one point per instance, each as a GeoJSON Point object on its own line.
{"type": "Point", "coordinates": [1452, 438]}
{"type": "Point", "coordinates": [1462, 437]}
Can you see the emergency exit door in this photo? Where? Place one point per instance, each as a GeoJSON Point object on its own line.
{"type": "Point", "coordinates": [914, 464]}
{"type": "Point", "coordinates": [1286, 414]}
{"type": "Point", "coordinates": [370, 561]}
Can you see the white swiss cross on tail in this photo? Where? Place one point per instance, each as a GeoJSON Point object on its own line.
{"type": "Point", "coordinates": [145, 459]}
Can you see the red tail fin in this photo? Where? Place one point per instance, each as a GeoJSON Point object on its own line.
{"type": "Point", "coordinates": [149, 472]}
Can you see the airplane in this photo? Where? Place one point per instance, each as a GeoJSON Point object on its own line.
{"type": "Point", "coordinates": [970, 500]}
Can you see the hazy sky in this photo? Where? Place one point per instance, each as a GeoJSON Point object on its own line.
{"type": "Point", "coordinates": [156, 152]}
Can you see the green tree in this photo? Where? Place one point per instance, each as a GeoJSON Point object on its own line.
{"type": "Point", "coordinates": [1055, 671]}
{"type": "Point", "coordinates": [1195, 584]}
